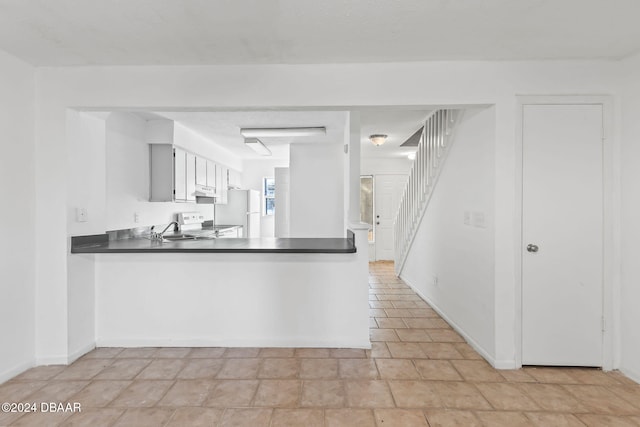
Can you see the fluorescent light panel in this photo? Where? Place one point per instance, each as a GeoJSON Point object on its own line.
{"type": "Point", "coordinates": [256, 145]}
{"type": "Point", "coordinates": [282, 132]}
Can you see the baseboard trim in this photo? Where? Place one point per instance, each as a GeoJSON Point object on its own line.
{"type": "Point", "coordinates": [631, 374]}
{"type": "Point", "coordinates": [223, 342]}
{"type": "Point", "coordinates": [75, 355]}
{"type": "Point", "coordinates": [52, 360]}
{"type": "Point", "coordinates": [16, 370]}
{"type": "Point", "coordinates": [498, 364]}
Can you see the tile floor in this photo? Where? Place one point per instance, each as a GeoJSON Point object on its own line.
{"type": "Point", "coordinates": [419, 372]}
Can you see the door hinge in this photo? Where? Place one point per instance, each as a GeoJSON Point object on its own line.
{"type": "Point", "coordinates": [603, 324]}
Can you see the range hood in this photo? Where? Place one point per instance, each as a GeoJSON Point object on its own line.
{"type": "Point", "coordinates": [205, 194]}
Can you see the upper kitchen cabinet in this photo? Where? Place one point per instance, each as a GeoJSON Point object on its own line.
{"type": "Point", "coordinates": [235, 179]}
{"type": "Point", "coordinates": [173, 174]}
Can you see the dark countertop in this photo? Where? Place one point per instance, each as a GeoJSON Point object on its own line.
{"type": "Point", "coordinates": [101, 244]}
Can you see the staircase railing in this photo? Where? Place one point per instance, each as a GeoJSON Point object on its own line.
{"type": "Point", "coordinates": [436, 138]}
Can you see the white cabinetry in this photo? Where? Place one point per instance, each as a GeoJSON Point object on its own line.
{"type": "Point", "coordinates": [235, 179]}
{"type": "Point", "coordinates": [201, 171]}
{"type": "Point", "coordinates": [211, 174]}
{"type": "Point", "coordinates": [191, 177]}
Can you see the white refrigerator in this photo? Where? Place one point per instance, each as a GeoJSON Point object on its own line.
{"type": "Point", "coordinates": [242, 208]}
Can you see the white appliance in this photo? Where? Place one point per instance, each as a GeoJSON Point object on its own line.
{"type": "Point", "coordinates": [242, 208]}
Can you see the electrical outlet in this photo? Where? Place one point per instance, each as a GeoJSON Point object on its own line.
{"type": "Point", "coordinates": [136, 217]}
{"type": "Point", "coordinates": [435, 280]}
{"type": "Point", "coordinates": [82, 215]}
{"type": "Point", "coordinates": [478, 219]}
{"type": "Point", "coordinates": [467, 218]}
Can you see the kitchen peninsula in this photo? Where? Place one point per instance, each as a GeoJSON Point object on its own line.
{"type": "Point", "coordinates": [262, 292]}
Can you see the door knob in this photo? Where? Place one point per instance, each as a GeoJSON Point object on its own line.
{"type": "Point", "coordinates": [532, 248]}
{"type": "Point", "coordinates": [377, 222]}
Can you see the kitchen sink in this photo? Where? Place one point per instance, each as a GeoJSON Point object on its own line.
{"type": "Point", "coordinates": [174, 237]}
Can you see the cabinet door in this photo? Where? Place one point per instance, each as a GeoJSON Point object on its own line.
{"type": "Point", "coordinates": [201, 171]}
{"type": "Point", "coordinates": [235, 180]}
{"type": "Point", "coordinates": [211, 174]}
{"type": "Point", "coordinates": [224, 186]}
{"type": "Point", "coordinates": [191, 177]}
{"type": "Point", "coordinates": [179, 175]}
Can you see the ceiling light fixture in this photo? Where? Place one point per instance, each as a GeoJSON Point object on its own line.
{"type": "Point", "coordinates": [256, 145]}
{"type": "Point", "coordinates": [282, 132]}
{"type": "Point", "coordinates": [378, 139]}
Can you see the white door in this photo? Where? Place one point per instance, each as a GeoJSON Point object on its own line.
{"type": "Point", "coordinates": [387, 192]}
{"type": "Point", "coordinates": [562, 261]}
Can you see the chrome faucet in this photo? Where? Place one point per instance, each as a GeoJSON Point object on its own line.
{"type": "Point", "coordinates": [160, 236]}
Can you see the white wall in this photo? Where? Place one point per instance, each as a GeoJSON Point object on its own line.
{"type": "Point", "coordinates": [127, 176]}
{"type": "Point", "coordinates": [378, 166]}
{"type": "Point", "coordinates": [316, 190]}
{"type": "Point", "coordinates": [313, 86]}
{"type": "Point", "coordinates": [17, 191]}
{"type": "Point", "coordinates": [630, 227]}
{"type": "Point", "coordinates": [460, 257]}
{"type": "Point", "coordinates": [253, 170]}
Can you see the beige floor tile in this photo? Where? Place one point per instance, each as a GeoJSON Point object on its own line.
{"type": "Point", "coordinates": [137, 353]}
{"type": "Point", "coordinates": [232, 393]}
{"type": "Point", "coordinates": [94, 417]}
{"type": "Point", "coordinates": [40, 373]}
{"type": "Point", "coordinates": [41, 419]}
{"type": "Point", "coordinates": [161, 369]}
{"type": "Point", "coordinates": [99, 393]}
{"type": "Point", "coordinates": [630, 393]}
{"type": "Point", "coordinates": [383, 335]}
{"type": "Point", "coordinates": [313, 352]}
{"type": "Point", "coordinates": [406, 350]}
{"type": "Point", "coordinates": [377, 313]}
{"type": "Point", "coordinates": [452, 418]}
{"type": "Point", "coordinates": [279, 368]}
{"type": "Point", "coordinates": [357, 369]}
{"type": "Point", "coordinates": [201, 369]}
{"type": "Point", "coordinates": [323, 393]}
{"type": "Point", "coordinates": [552, 397]}
{"type": "Point", "coordinates": [379, 350]}
{"type": "Point", "coordinates": [278, 393]}
{"type": "Point", "coordinates": [427, 323]}
{"type": "Point", "coordinates": [195, 417]}
{"type": "Point", "coordinates": [445, 335]}
{"type": "Point", "coordinates": [141, 393]}
{"type": "Point", "coordinates": [239, 369]}
{"type": "Point", "coordinates": [84, 369]}
{"type": "Point", "coordinates": [467, 351]}
{"type": "Point", "coordinates": [413, 335]}
{"type": "Point", "coordinates": [548, 419]}
{"type": "Point", "coordinates": [437, 370]}
{"type": "Point", "coordinates": [144, 417]}
{"type": "Point", "coordinates": [206, 352]}
{"type": "Point", "coordinates": [400, 418]}
{"type": "Point", "coordinates": [460, 395]}
{"type": "Point", "coordinates": [171, 352]}
{"type": "Point", "coordinates": [503, 419]}
{"type": "Point", "coordinates": [506, 397]}
{"type": "Point", "coordinates": [599, 400]}
{"type": "Point", "coordinates": [318, 368]}
{"type": "Point", "coordinates": [349, 418]}
{"type": "Point", "coordinates": [347, 353]}
{"type": "Point", "coordinates": [391, 323]}
{"type": "Point", "coordinates": [421, 312]}
{"type": "Point", "coordinates": [404, 304]}
{"type": "Point", "coordinates": [277, 352]}
{"type": "Point", "coordinates": [551, 375]}
{"type": "Point", "coordinates": [414, 394]}
{"type": "Point", "coordinates": [402, 369]}
{"type": "Point", "coordinates": [123, 369]}
{"type": "Point", "coordinates": [516, 376]}
{"type": "Point", "coordinates": [241, 352]}
{"type": "Point", "coordinates": [246, 418]}
{"type": "Point", "coordinates": [103, 353]}
{"type": "Point", "coordinates": [187, 393]}
{"type": "Point", "coordinates": [7, 418]}
{"type": "Point", "coordinates": [397, 312]}
{"type": "Point", "coordinates": [297, 418]}
{"type": "Point", "coordinates": [56, 391]}
{"type": "Point", "coordinates": [372, 323]}
{"type": "Point", "coordinates": [592, 420]}
{"type": "Point", "coordinates": [621, 378]}
{"type": "Point", "coordinates": [476, 370]}
{"type": "Point", "coordinates": [368, 394]}
{"type": "Point", "coordinates": [592, 377]}
{"type": "Point", "coordinates": [441, 351]}
{"type": "Point", "coordinates": [380, 304]}
{"type": "Point", "coordinates": [17, 391]}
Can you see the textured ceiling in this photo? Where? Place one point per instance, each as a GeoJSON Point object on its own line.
{"type": "Point", "coordinates": [172, 32]}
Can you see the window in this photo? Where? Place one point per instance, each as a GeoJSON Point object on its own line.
{"type": "Point", "coordinates": [366, 203]}
{"type": "Point", "coordinates": [269, 196]}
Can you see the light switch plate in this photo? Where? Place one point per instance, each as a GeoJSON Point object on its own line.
{"type": "Point", "coordinates": [478, 219]}
{"type": "Point", "coordinates": [82, 215]}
